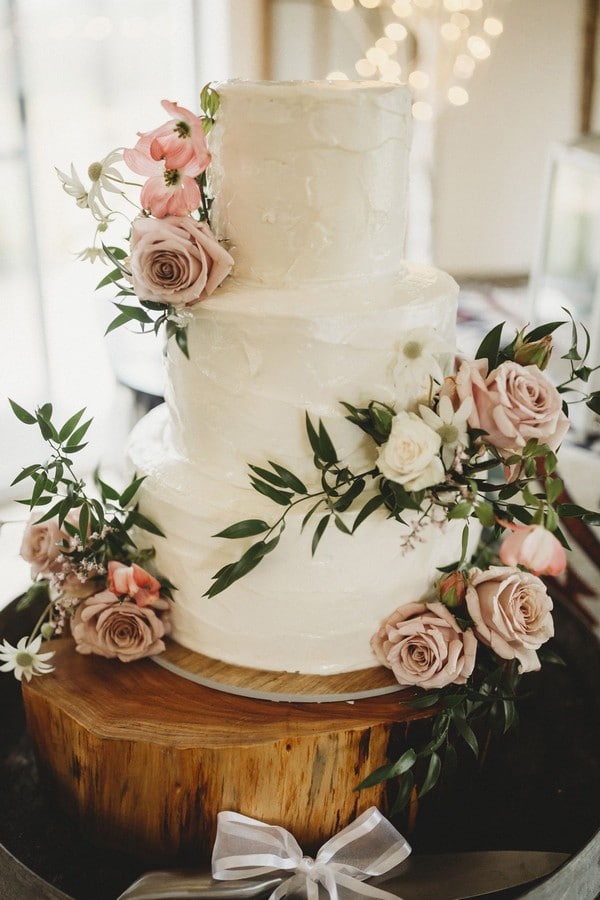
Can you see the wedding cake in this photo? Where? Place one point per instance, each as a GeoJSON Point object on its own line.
{"type": "Point", "coordinates": [310, 198]}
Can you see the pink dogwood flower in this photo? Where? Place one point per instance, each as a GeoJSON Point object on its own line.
{"type": "Point", "coordinates": [172, 156]}
{"type": "Point", "coordinates": [533, 547]}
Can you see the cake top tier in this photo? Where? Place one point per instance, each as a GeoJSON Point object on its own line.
{"type": "Point", "coordinates": [309, 178]}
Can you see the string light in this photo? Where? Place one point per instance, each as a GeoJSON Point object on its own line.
{"type": "Point", "coordinates": [418, 80]}
{"type": "Point", "coordinates": [396, 31]}
{"type": "Point", "coordinates": [464, 66]}
{"type": "Point", "coordinates": [450, 39]}
{"type": "Point", "coordinates": [450, 32]}
{"type": "Point", "coordinates": [457, 95]}
{"type": "Point", "coordinates": [479, 48]}
{"type": "Point", "coordinates": [493, 26]}
{"type": "Point", "coordinates": [402, 8]}
{"type": "Point", "coordinates": [365, 68]}
{"type": "Point", "coordinates": [387, 45]}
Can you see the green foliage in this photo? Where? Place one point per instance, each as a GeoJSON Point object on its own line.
{"type": "Point", "coordinates": [101, 524]}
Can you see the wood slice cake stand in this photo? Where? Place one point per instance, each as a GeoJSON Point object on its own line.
{"type": "Point", "coordinates": [145, 759]}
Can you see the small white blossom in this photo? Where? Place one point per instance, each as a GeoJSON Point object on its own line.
{"type": "Point", "coordinates": [25, 659]}
{"type": "Point", "coordinates": [104, 177]}
{"type": "Point", "coordinates": [74, 187]}
{"type": "Point", "coordinates": [92, 254]}
{"type": "Point", "coordinates": [450, 424]}
{"type": "Point", "coordinates": [419, 362]}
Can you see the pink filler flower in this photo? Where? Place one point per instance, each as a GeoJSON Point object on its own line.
{"type": "Point", "coordinates": [133, 581]}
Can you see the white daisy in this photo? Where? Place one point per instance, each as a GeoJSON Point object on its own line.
{"type": "Point", "coordinates": [25, 659]}
{"type": "Point", "coordinates": [450, 424]}
{"type": "Point", "coordinates": [421, 357]}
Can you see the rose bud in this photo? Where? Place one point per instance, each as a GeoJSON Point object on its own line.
{"type": "Point", "coordinates": [451, 589]}
{"type": "Point", "coordinates": [533, 353]}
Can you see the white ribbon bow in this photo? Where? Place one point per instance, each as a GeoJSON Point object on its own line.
{"type": "Point", "coordinates": [369, 846]}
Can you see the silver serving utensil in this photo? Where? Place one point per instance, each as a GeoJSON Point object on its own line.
{"type": "Point", "coordinates": [445, 876]}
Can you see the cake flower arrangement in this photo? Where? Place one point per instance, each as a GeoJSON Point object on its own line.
{"type": "Point", "coordinates": [90, 577]}
{"type": "Point", "coordinates": [172, 260]}
{"type": "Point", "coordinates": [481, 447]}
{"type": "Point", "coordinates": [478, 446]}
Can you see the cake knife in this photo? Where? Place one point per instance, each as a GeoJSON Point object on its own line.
{"type": "Point", "coordinates": [445, 876]}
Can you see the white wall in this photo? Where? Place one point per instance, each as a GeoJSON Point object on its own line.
{"type": "Point", "coordinates": [491, 154]}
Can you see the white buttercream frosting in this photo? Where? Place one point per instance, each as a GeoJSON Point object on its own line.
{"type": "Point", "coordinates": [309, 179]}
{"type": "Point", "coordinates": [310, 188]}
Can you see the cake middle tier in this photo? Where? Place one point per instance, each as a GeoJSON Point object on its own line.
{"type": "Point", "coordinates": [260, 359]}
{"type": "Point", "coordinates": [295, 612]}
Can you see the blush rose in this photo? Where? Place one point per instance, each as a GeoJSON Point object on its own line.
{"type": "Point", "coordinates": [513, 404]}
{"type": "Point", "coordinates": [511, 613]}
{"type": "Point", "coordinates": [176, 260]}
{"type": "Point", "coordinates": [410, 456]}
{"type": "Point", "coordinates": [424, 646]}
{"type": "Point", "coordinates": [132, 581]}
{"type": "Point", "coordinates": [534, 547]}
{"type": "Point", "coordinates": [41, 544]}
{"type": "Point", "coordinates": [107, 626]}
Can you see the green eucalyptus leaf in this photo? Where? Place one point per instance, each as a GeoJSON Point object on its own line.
{"type": "Point", "coordinates": [319, 532]}
{"type": "Point", "coordinates": [119, 320]}
{"type": "Point", "coordinates": [131, 490]}
{"type": "Point", "coordinates": [245, 528]}
{"type": "Point", "coordinates": [26, 473]}
{"type": "Point", "coordinates": [347, 499]}
{"type": "Point", "coordinates": [136, 518]}
{"type": "Point", "coordinates": [490, 346]}
{"type": "Point", "coordinates": [84, 521]}
{"type": "Point", "coordinates": [393, 770]}
{"type": "Point", "coordinates": [280, 497]}
{"type": "Point", "coordinates": [113, 276]}
{"type": "Point", "coordinates": [270, 477]}
{"type": "Point", "coordinates": [22, 415]}
{"type": "Point", "coordinates": [485, 513]}
{"type": "Point", "coordinates": [426, 700]}
{"type": "Point", "coordinates": [593, 402]}
{"type": "Point", "coordinates": [461, 510]}
{"type": "Point", "coordinates": [433, 773]}
{"type": "Point", "coordinates": [289, 479]}
{"type": "Point", "coordinates": [405, 789]}
{"type": "Point", "coordinates": [370, 506]}
{"type": "Point", "coordinates": [309, 514]}
{"type": "Point", "coordinates": [466, 733]}
{"type": "Point", "coordinates": [181, 339]}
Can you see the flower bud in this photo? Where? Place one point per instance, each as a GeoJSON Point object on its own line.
{"type": "Point", "coordinates": [451, 589]}
{"type": "Point", "coordinates": [47, 630]}
{"type": "Point", "coordinates": [533, 353]}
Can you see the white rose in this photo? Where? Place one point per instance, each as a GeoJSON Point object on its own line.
{"type": "Point", "coordinates": [411, 455]}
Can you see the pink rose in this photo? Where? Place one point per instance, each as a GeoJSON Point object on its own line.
{"type": "Point", "coordinates": [107, 626]}
{"type": "Point", "coordinates": [534, 547]}
{"type": "Point", "coordinates": [176, 260]}
{"type": "Point", "coordinates": [513, 404]}
{"type": "Point", "coordinates": [423, 645]}
{"type": "Point", "coordinates": [511, 612]}
{"type": "Point", "coordinates": [41, 544]}
{"type": "Point", "coordinates": [134, 582]}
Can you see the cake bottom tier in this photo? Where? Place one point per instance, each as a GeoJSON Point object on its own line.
{"type": "Point", "coordinates": [145, 760]}
{"type": "Point", "coordinates": [295, 612]}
